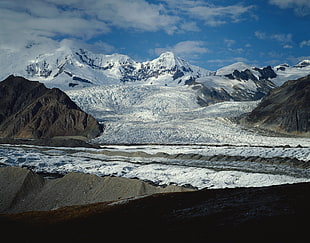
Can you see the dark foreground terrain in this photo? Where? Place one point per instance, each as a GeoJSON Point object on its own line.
{"type": "Point", "coordinates": [267, 214]}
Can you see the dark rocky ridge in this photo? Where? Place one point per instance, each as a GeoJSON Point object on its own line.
{"type": "Point", "coordinates": [30, 110]}
{"type": "Point", "coordinates": [263, 83]}
{"type": "Point", "coordinates": [286, 109]}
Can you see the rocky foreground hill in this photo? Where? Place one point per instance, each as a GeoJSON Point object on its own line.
{"type": "Point", "coordinates": [30, 110]}
{"type": "Point", "coordinates": [23, 190]}
{"type": "Point", "coordinates": [286, 109]}
{"type": "Point", "coordinates": [266, 214]}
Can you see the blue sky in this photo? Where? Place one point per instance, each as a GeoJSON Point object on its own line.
{"type": "Point", "coordinates": [210, 34]}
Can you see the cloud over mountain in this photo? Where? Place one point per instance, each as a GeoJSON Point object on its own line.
{"type": "Point", "coordinates": [185, 49]}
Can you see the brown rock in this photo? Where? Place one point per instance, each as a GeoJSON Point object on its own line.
{"type": "Point", "coordinates": [30, 110]}
{"type": "Point", "coordinates": [286, 109]}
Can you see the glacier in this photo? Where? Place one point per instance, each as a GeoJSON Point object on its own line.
{"type": "Point", "coordinates": [139, 114]}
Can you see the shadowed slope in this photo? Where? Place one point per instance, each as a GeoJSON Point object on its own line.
{"type": "Point", "coordinates": [30, 110]}
{"type": "Point", "coordinates": [285, 109]}
{"type": "Point", "coordinates": [267, 214]}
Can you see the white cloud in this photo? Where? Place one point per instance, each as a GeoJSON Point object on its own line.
{"type": "Point", "coordinates": [283, 38]}
{"type": "Point", "coordinates": [136, 14]}
{"type": "Point", "coordinates": [189, 26]}
{"type": "Point", "coordinates": [80, 19]}
{"type": "Point", "coordinates": [42, 19]}
{"type": "Point", "coordinates": [229, 43]}
{"type": "Point", "coordinates": [300, 7]}
{"type": "Point", "coordinates": [260, 35]}
{"type": "Point", "coordinates": [58, 19]}
{"type": "Point", "coordinates": [218, 15]}
{"type": "Point", "coordinates": [211, 14]}
{"type": "Point", "coordinates": [287, 47]}
{"type": "Point", "coordinates": [95, 47]}
{"type": "Point", "coordinates": [185, 49]}
{"type": "Point", "coordinates": [304, 43]}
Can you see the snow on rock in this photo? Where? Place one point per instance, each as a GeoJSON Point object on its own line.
{"type": "Point", "coordinates": [240, 66]}
{"type": "Point", "coordinates": [66, 65]}
{"type": "Point", "coordinates": [286, 72]}
{"type": "Point", "coordinates": [303, 64]}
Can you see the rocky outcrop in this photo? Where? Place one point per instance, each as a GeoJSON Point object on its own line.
{"type": "Point", "coordinates": [30, 110]}
{"type": "Point", "coordinates": [261, 79]}
{"type": "Point", "coordinates": [208, 96]}
{"type": "Point", "coordinates": [285, 109]}
{"type": "Point", "coordinates": [23, 190]}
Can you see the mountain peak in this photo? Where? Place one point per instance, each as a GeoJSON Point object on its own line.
{"type": "Point", "coordinates": [240, 66]}
{"type": "Point", "coordinates": [167, 55]}
{"type": "Point", "coordinates": [118, 58]}
{"type": "Point", "coordinates": [167, 58]}
{"type": "Point", "coordinates": [303, 63]}
{"type": "Point", "coordinates": [170, 60]}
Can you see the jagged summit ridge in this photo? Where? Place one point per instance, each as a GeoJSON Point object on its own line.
{"type": "Point", "coordinates": [302, 64]}
{"type": "Point", "coordinates": [70, 66]}
{"type": "Point", "coordinates": [240, 66]}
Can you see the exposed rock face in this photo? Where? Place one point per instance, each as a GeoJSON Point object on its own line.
{"type": "Point", "coordinates": [208, 96]}
{"type": "Point", "coordinates": [30, 110]}
{"type": "Point", "coordinates": [285, 109]}
{"type": "Point", "coordinates": [266, 72]}
{"type": "Point", "coordinates": [261, 81]}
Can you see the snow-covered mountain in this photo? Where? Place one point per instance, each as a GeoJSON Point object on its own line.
{"type": "Point", "coordinates": [67, 66]}
{"type": "Point", "coordinates": [238, 81]}
{"type": "Point", "coordinates": [286, 72]}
